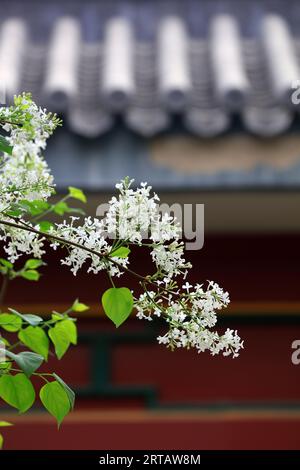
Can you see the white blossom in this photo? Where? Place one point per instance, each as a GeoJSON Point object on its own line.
{"type": "Point", "coordinates": [90, 236]}
{"type": "Point", "coordinates": [190, 312]}
{"type": "Point", "coordinates": [19, 242]}
{"type": "Point", "coordinates": [25, 174]}
{"type": "Point", "coordinates": [190, 318]}
{"type": "Point", "coordinates": [169, 259]}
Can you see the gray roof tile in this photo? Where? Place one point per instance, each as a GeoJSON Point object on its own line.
{"type": "Point", "coordinates": [147, 61]}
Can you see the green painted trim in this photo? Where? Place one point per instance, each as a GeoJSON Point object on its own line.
{"type": "Point", "coordinates": [101, 386]}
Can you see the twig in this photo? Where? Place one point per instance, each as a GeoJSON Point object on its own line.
{"type": "Point", "coordinates": [84, 248]}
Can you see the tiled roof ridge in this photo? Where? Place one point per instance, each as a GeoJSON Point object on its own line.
{"type": "Point", "coordinates": [206, 80]}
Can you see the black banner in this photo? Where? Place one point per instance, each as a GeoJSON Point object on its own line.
{"type": "Point", "coordinates": [137, 459]}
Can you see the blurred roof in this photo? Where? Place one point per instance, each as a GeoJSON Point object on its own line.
{"type": "Point", "coordinates": [148, 62]}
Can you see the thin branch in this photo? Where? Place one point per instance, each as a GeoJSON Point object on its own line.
{"type": "Point", "coordinates": [89, 250]}
{"type": "Point", "coordinates": [13, 123]}
{"type": "Point", "coordinates": [52, 237]}
{"type": "Point", "coordinates": [63, 241]}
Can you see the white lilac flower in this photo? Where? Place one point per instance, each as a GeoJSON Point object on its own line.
{"type": "Point", "coordinates": [187, 286]}
{"type": "Point", "coordinates": [90, 236]}
{"type": "Point", "coordinates": [169, 259]}
{"type": "Point", "coordinates": [20, 242]}
{"type": "Point", "coordinates": [130, 216]}
{"type": "Point", "coordinates": [190, 317]}
{"type": "Point", "coordinates": [25, 174]}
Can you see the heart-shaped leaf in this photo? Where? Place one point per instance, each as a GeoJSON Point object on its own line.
{"type": "Point", "coordinates": [55, 399]}
{"type": "Point", "coordinates": [62, 335]}
{"type": "Point", "coordinates": [36, 339]}
{"type": "Point", "coordinates": [10, 322]}
{"type": "Point", "coordinates": [17, 391]}
{"type": "Point", "coordinates": [117, 303]}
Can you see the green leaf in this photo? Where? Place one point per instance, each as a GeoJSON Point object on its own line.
{"type": "Point", "coordinates": [60, 208]}
{"type": "Point", "coordinates": [117, 304]}
{"type": "Point", "coordinates": [62, 335]}
{"type": "Point", "coordinates": [1, 441]}
{"type": "Point", "coordinates": [79, 307]}
{"type": "Point", "coordinates": [5, 145]}
{"type": "Point", "coordinates": [32, 319]}
{"type": "Point", "coordinates": [10, 322]}
{"type": "Point", "coordinates": [68, 390]}
{"type": "Point", "coordinates": [5, 366]}
{"type": "Point", "coordinates": [68, 327]}
{"type": "Point", "coordinates": [15, 211]}
{"type": "Point", "coordinates": [27, 360]}
{"type": "Point", "coordinates": [45, 226]}
{"type": "Point", "coordinates": [77, 194]}
{"type": "Point", "coordinates": [35, 207]}
{"type": "Point", "coordinates": [28, 317]}
{"type": "Point", "coordinates": [6, 263]}
{"type": "Point", "coordinates": [60, 341]}
{"type": "Point", "coordinates": [57, 316]}
{"type": "Point", "coordinates": [33, 263]}
{"type": "Point", "coordinates": [35, 338]}
{"type": "Point", "coordinates": [121, 252]}
{"type": "Point", "coordinates": [17, 391]}
{"type": "Point", "coordinates": [56, 401]}
{"type": "Point", "coordinates": [5, 266]}
{"type": "Point", "coordinates": [31, 275]}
